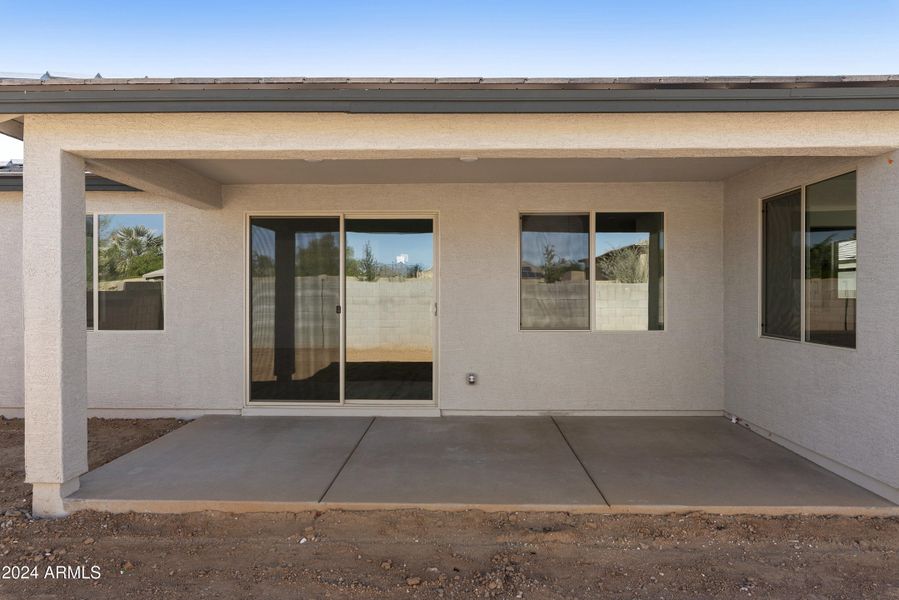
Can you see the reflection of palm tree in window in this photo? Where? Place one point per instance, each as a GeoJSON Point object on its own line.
{"type": "Point", "coordinates": [130, 251]}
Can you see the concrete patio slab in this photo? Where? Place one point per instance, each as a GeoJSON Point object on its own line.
{"type": "Point", "coordinates": [227, 463]}
{"type": "Point", "coordinates": [643, 464]}
{"type": "Point", "coordinates": [470, 461]}
{"type": "Point", "coordinates": [654, 464]}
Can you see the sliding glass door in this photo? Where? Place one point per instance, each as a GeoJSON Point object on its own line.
{"type": "Point", "coordinates": [389, 309]}
{"type": "Point", "coordinates": [325, 332]}
{"type": "Point", "coordinates": [294, 300]}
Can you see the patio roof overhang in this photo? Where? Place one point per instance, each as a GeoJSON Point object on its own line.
{"type": "Point", "coordinates": [451, 95]}
{"type": "Point", "coordinates": [159, 135]}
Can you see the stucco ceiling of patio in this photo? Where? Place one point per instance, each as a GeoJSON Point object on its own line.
{"type": "Point", "coordinates": [469, 169]}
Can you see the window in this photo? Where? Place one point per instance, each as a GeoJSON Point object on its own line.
{"type": "Point", "coordinates": [625, 266]}
{"type": "Point", "coordinates": [89, 270]}
{"type": "Point", "coordinates": [555, 288]}
{"type": "Point", "coordinates": [830, 257]}
{"type": "Point", "coordinates": [828, 241]}
{"type": "Point", "coordinates": [629, 271]}
{"type": "Point", "coordinates": [782, 304]}
{"type": "Point", "coordinates": [125, 283]}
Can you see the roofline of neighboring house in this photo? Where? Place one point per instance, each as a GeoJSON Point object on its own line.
{"type": "Point", "coordinates": [451, 95]}
{"type": "Point", "coordinates": [12, 182]}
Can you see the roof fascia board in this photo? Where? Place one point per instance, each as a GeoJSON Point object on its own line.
{"type": "Point", "coordinates": [92, 183]}
{"type": "Point", "coordinates": [75, 100]}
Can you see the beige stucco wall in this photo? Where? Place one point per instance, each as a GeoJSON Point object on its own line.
{"type": "Point", "coordinates": [198, 362]}
{"type": "Point", "coordinates": [11, 332]}
{"type": "Point", "coordinates": [841, 404]}
{"type": "Point", "coordinates": [344, 135]}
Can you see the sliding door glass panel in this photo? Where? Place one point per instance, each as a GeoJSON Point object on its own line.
{"type": "Point", "coordinates": [294, 323]}
{"type": "Point", "coordinates": [130, 272]}
{"type": "Point", "coordinates": [630, 271]}
{"type": "Point", "coordinates": [89, 264]}
{"type": "Point", "coordinates": [389, 309]}
{"type": "Point", "coordinates": [830, 261]}
{"type": "Point", "coordinates": [555, 288]}
{"type": "Point", "coordinates": [782, 264]}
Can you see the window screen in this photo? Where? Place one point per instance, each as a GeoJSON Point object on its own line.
{"type": "Point", "coordinates": [782, 265]}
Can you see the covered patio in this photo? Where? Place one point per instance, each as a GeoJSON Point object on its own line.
{"type": "Point", "coordinates": [506, 397]}
{"type": "Point", "coordinates": [595, 464]}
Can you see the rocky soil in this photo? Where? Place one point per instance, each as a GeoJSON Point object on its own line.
{"type": "Point", "coordinates": [422, 554]}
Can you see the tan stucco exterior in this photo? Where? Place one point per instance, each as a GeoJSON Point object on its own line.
{"type": "Point", "coordinates": [839, 403]}
{"type": "Point", "coordinates": [198, 361]}
{"type": "Point", "coordinates": [338, 135]}
{"type": "Point", "coordinates": [708, 360]}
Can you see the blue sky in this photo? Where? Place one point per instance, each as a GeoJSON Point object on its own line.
{"type": "Point", "coordinates": [418, 247]}
{"type": "Point", "coordinates": [153, 222]}
{"type": "Point", "coordinates": [521, 38]}
{"type": "Point", "coordinates": [562, 38]}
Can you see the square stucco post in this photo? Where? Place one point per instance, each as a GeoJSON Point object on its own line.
{"type": "Point", "coordinates": [53, 281]}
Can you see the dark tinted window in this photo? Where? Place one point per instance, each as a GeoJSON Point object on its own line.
{"type": "Point", "coordinates": [782, 266]}
{"type": "Point", "coordinates": [89, 270]}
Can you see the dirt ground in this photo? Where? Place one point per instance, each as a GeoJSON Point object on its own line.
{"type": "Point", "coordinates": [422, 554]}
{"type": "Point", "coordinates": [107, 440]}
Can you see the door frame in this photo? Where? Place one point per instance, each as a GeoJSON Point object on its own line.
{"type": "Point", "coordinates": [248, 403]}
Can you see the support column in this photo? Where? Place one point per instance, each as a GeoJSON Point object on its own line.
{"type": "Point", "coordinates": [53, 278]}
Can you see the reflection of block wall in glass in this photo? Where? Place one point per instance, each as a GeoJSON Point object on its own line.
{"type": "Point", "coordinates": [131, 305]}
{"type": "Point", "coordinates": [629, 271]}
{"type": "Point", "coordinates": [391, 315]}
{"type": "Point", "coordinates": [622, 306]}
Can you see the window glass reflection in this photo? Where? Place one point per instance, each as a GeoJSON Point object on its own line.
{"type": "Point", "coordinates": [294, 294]}
{"type": "Point", "coordinates": [389, 304]}
{"type": "Point", "coordinates": [629, 271]}
{"type": "Point", "coordinates": [130, 272]}
{"type": "Point", "coordinates": [89, 270]}
{"type": "Point", "coordinates": [555, 291]}
{"type": "Point", "coordinates": [830, 261]}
